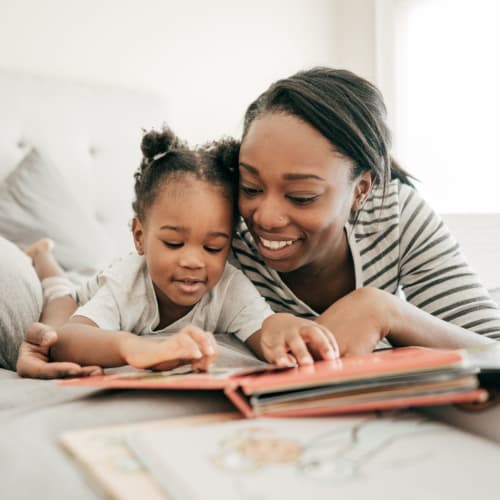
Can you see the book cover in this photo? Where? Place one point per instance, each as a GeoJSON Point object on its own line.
{"type": "Point", "coordinates": [403, 377]}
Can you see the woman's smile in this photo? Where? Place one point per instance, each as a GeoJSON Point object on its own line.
{"type": "Point", "coordinates": [277, 249]}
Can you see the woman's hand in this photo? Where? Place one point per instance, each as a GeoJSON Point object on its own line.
{"type": "Point", "coordinates": [34, 357]}
{"type": "Point", "coordinates": [360, 319]}
{"type": "Point", "coordinates": [190, 345]}
{"type": "Point", "coordinates": [285, 339]}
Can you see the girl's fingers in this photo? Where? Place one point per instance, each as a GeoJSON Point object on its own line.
{"type": "Point", "coordinates": [275, 351]}
{"type": "Point", "coordinates": [299, 349]}
{"type": "Point", "coordinates": [323, 342]}
{"type": "Point", "coordinates": [204, 340]}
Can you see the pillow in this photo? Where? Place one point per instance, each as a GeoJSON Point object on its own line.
{"type": "Point", "coordinates": [20, 300]}
{"type": "Point", "coordinates": [36, 202]}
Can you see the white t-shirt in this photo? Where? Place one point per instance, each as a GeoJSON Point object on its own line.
{"type": "Point", "coordinates": [122, 297]}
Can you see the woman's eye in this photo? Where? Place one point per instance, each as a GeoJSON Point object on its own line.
{"type": "Point", "coordinates": [303, 200]}
{"type": "Point", "coordinates": [213, 249]}
{"type": "Point", "coordinates": [249, 191]}
{"type": "Point", "coordinates": [172, 244]}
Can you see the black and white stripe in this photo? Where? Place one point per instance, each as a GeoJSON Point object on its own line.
{"type": "Point", "coordinates": [401, 244]}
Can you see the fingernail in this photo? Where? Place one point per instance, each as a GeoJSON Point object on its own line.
{"type": "Point", "coordinates": [330, 354]}
{"type": "Point", "coordinates": [47, 337]}
{"type": "Point", "coordinates": [210, 350]}
{"type": "Point", "coordinates": [306, 360]}
{"type": "Point", "coordinates": [197, 354]}
{"type": "Point", "coordinates": [283, 361]}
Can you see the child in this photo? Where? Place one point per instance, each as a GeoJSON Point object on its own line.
{"type": "Point", "coordinates": [179, 285]}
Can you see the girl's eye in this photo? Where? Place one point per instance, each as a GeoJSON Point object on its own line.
{"type": "Point", "coordinates": [172, 244]}
{"type": "Point", "coordinates": [213, 249]}
{"type": "Point", "coordinates": [248, 191]}
{"type": "Point", "coordinates": [303, 200]}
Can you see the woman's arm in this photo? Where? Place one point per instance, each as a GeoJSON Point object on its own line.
{"type": "Point", "coordinates": [365, 316]}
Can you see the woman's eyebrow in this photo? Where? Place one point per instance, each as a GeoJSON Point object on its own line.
{"type": "Point", "coordinates": [287, 177]}
{"type": "Point", "coordinates": [300, 177]}
{"type": "Point", "coordinates": [251, 169]}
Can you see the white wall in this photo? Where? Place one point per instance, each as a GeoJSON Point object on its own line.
{"type": "Point", "coordinates": [208, 58]}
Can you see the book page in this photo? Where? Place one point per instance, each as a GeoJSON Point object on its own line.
{"type": "Point", "coordinates": [392, 455]}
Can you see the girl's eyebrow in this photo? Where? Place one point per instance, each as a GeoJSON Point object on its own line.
{"type": "Point", "coordinates": [184, 229]}
{"type": "Point", "coordinates": [219, 234]}
{"type": "Point", "coordinates": [180, 229]}
{"type": "Point", "coordinates": [287, 177]}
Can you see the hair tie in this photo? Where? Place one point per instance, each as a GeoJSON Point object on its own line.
{"type": "Point", "coordinates": [157, 156]}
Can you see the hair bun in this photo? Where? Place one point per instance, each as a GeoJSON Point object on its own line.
{"type": "Point", "coordinates": [226, 153]}
{"type": "Point", "coordinates": [158, 143]}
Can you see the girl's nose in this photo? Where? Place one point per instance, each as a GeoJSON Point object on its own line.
{"type": "Point", "coordinates": [191, 259]}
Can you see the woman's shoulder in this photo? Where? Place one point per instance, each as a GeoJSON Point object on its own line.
{"type": "Point", "coordinates": [387, 204]}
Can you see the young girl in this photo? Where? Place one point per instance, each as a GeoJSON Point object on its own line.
{"type": "Point", "coordinates": [179, 284]}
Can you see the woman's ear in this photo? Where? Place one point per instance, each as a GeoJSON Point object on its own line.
{"type": "Point", "coordinates": [362, 189]}
{"type": "Point", "coordinates": [138, 233]}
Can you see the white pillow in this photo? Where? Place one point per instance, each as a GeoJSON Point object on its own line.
{"type": "Point", "coordinates": [36, 202]}
{"type": "Point", "coordinates": [20, 300]}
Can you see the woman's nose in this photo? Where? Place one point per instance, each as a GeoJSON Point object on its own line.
{"type": "Point", "coordinates": [269, 215]}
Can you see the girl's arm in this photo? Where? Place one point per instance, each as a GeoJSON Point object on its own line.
{"type": "Point", "coordinates": [285, 339]}
{"type": "Point", "coordinates": [82, 342]}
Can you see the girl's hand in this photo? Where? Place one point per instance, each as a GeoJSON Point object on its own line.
{"type": "Point", "coordinates": [34, 358]}
{"type": "Point", "coordinates": [285, 339]}
{"type": "Point", "coordinates": [361, 319]}
{"type": "Point", "coordinates": [190, 345]}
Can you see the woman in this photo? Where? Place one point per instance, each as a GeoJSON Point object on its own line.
{"type": "Point", "coordinates": [332, 229]}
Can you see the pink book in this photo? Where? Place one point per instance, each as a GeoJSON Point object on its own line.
{"type": "Point", "coordinates": [395, 378]}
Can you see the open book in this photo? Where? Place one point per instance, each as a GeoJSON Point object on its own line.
{"type": "Point", "coordinates": [391, 455]}
{"type": "Point", "coordinates": [395, 378]}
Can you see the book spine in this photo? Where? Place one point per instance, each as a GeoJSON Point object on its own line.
{"type": "Point", "coordinates": [236, 396]}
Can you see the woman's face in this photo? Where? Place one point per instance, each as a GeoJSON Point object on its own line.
{"type": "Point", "coordinates": [296, 193]}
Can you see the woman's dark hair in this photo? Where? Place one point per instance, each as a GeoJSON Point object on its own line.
{"type": "Point", "coordinates": [346, 109]}
{"type": "Point", "coordinates": [166, 157]}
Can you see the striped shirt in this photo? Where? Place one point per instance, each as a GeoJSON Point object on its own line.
{"type": "Point", "coordinates": [398, 244]}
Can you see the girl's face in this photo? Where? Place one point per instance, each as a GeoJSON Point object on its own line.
{"type": "Point", "coordinates": [186, 237]}
{"type": "Point", "coordinates": [296, 192]}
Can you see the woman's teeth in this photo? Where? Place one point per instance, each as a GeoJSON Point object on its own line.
{"type": "Point", "coordinates": [275, 245]}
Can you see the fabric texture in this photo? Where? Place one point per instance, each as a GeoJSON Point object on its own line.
{"type": "Point", "coordinates": [122, 297]}
{"type": "Point", "coordinates": [36, 202]}
{"type": "Point", "coordinates": [20, 300]}
{"type": "Point", "coordinates": [398, 243]}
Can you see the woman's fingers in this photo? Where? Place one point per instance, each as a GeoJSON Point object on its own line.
{"type": "Point", "coordinates": [41, 335]}
{"type": "Point", "coordinates": [34, 367]}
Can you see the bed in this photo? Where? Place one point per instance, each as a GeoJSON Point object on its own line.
{"type": "Point", "coordinates": [68, 151]}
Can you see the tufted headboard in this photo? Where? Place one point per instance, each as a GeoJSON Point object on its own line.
{"type": "Point", "coordinates": [91, 133]}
